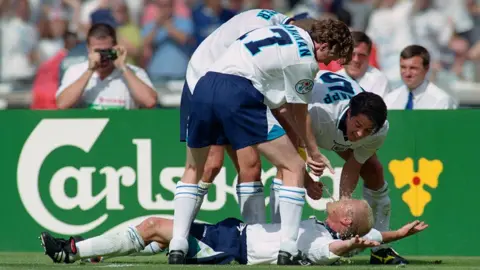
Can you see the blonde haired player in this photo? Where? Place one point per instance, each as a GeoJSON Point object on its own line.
{"type": "Point", "coordinates": [345, 232]}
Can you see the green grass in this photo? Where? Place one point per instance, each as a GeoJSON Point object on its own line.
{"type": "Point", "coordinates": [40, 261]}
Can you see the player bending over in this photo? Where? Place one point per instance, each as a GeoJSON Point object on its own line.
{"type": "Point", "coordinates": [271, 66]}
{"type": "Point", "coordinates": [249, 187]}
{"type": "Point", "coordinates": [231, 240]}
{"type": "Point", "coordinates": [352, 123]}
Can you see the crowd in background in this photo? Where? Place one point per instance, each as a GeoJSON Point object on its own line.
{"type": "Point", "coordinates": [39, 39]}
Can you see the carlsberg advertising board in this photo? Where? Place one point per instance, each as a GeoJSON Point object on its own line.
{"type": "Point", "coordinates": [89, 172]}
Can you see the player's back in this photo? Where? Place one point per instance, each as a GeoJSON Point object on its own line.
{"type": "Point", "coordinates": [218, 42]}
{"type": "Point", "coordinates": [332, 88]}
{"type": "Point", "coordinates": [278, 60]}
{"type": "Point", "coordinates": [332, 92]}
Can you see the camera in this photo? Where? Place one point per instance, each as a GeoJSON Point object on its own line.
{"type": "Point", "coordinates": [107, 54]}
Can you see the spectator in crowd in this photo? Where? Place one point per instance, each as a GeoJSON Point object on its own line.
{"type": "Point", "coordinates": [51, 42]}
{"type": "Point", "coordinates": [474, 9]}
{"type": "Point", "coordinates": [128, 32]}
{"type": "Point", "coordinates": [345, 17]}
{"type": "Point", "coordinates": [359, 69]}
{"type": "Point", "coordinates": [58, 17]}
{"type": "Point", "coordinates": [208, 16]}
{"type": "Point", "coordinates": [360, 11]}
{"type": "Point", "coordinates": [388, 30]}
{"type": "Point", "coordinates": [88, 7]}
{"type": "Point", "coordinates": [79, 53]}
{"type": "Point", "coordinates": [417, 93]}
{"type": "Point", "coordinates": [180, 8]}
{"type": "Point", "coordinates": [430, 28]}
{"type": "Point", "coordinates": [105, 81]}
{"type": "Point", "coordinates": [46, 81]}
{"type": "Point", "coordinates": [168, 38]}
{"type": "Point", "coordinates": [19, 41]}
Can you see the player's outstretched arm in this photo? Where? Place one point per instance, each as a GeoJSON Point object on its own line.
{"type": "Point", "coordinates": [344, 247]}
{"type": "Point", "coordinates": [407, 230]}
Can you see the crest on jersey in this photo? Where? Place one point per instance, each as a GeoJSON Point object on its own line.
{"type": "Point", "coordinates": [304, 86]}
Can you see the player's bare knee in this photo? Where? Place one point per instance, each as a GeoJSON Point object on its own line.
{"type": "Point", "coordinates": [214, 164]}
{"type": "Point", "coordinates": [250, 172]}
{"type": "Point", "coordinates": [147, 228]}
{"type": "Point", "coordinates": [211, 171]}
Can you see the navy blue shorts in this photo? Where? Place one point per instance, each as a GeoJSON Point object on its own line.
{"type": "Point", "coordinates": [229, 106]}
{"type": "Point", "coordinates": [185, 112]}
{"type": "Point", "coordinates": [219, 243]}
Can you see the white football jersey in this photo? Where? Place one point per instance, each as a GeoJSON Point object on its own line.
{"type": "Point", "coordinates": [278, 60]}
{"type": "Point", "coordinates": [218, 41]}
{"type": "Point", "coordinates": [328, 110]}
{"type": "Point", "coordinates": [263, 242]}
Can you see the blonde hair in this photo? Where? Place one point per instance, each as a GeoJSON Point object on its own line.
{"type": "Point", "coordinates": [362, 218]}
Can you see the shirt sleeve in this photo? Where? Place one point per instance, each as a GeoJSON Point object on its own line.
{"type": "Point", "coordinates": [365, 151]}
{"type": "Point", "coordinates": [280, 18]}
{"type": "Point", "coordinates": [319, 252]}
{"type": "Point", "coordinates": [298, 82]}
{"type": "Point", "coordinates": [71, 75]}
{"type": "Point", "coordinates": [316, 112]}
{"type": "Point", "coordinates": [143, 76]}
{"type": "Point", "coordinates": [374, 235]}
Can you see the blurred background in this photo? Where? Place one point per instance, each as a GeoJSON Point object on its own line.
{"type": "Point", "coordinates": [39, 39]}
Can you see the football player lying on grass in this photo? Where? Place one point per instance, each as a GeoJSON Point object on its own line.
{"type": "Point", "coordinates": [346, 231]}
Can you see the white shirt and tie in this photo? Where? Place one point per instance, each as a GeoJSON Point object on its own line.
{"type": "Point", "coordinates": [427, 96]}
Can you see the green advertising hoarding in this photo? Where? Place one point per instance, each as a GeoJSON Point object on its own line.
{"type": "Point", "coordinates": [86, 172]}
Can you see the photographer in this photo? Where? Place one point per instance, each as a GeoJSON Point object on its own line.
{"type": "Point", "coordinates": [105, 81]}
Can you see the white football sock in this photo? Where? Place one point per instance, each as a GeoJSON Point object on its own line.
{"type": "Point", "coordinates": [152, 249]}
{"type": "Point", "coordinates": [184, 205]}
{"type": "Point", "coordinates": [252, 202]}
{"type": "Point", "coordinates": [110, 245]}
{"type": "Point", "coordinates": [292, 200]}
{"type": "Point", "coordinates": [380, 203]}
{"type": "Point", "coordinates": [274, 200]}
{"type": "Point", "coordinates": [202, 191]}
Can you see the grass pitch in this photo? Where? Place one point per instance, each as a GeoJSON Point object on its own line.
{"type": "Point", "coordinates": [40, 261]}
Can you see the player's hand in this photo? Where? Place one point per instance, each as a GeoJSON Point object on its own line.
{"type": "Point", "coordinates": [412, 228]}
{"type": "Point", "coordinates": [314, 189]}
{"type": "Point", "coordinates": [93, 60]}
{"type": "Point", "coordinates": [120, 62]}
{"type": "Point", "coordinates": [358, 242]}
{"type": "Point", "coordinates": [318, 162]}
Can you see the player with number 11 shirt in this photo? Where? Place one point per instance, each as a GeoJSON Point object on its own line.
{"type": "Point", "coordinates": [264, 69]}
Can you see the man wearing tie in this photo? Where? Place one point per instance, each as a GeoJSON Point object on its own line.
{"type": "Point", "coordinates": [417, 93]}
